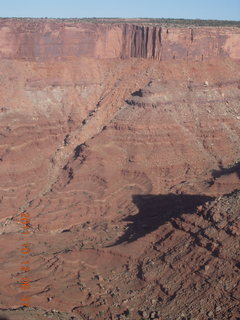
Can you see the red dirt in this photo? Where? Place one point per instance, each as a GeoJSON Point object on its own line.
{"type": "Point", "coordinates": [127, 161]}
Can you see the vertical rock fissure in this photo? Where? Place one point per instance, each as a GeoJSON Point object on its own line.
{"type": "Point", "coordinates": [160, 35]}
{"type": "Point", "coordinates": [124, 43]}
{"type": "Point", "coordinates": [160, 43]}
{"type": "Point", "coordinates": [143, 43]}
{"type": "Point", "coordinates": [134, 44]}
{"type": "Point", "coordinates": [154, 42]}
{"type": "Point", "coordinates": [191, 35]}
{"type": "Point", "coordinates": [146, 44]}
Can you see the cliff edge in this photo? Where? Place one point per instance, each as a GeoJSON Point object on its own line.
{"type": "Point", "coordinates": [47, 39]}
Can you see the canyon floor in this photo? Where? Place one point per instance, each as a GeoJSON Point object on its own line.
{"type": "Point", "coordinates": [130, 173]}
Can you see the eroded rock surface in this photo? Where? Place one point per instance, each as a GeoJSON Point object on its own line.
{"type": "Point", "coordinates": [127, 161]}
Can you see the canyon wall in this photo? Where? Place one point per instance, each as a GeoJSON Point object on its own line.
{"type": "Point", "coordinates": [128, 167]}
{"type": "Point", "coordinates": [43, 40]}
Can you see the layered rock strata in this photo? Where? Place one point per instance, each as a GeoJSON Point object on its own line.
{"type": "Point", "coordinates": [41, 40]}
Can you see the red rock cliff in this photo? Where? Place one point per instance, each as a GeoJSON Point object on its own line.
{"type": "Point", "coordinates": [41, 40]}
{"type": "Point", "coordinates": [180, 43]}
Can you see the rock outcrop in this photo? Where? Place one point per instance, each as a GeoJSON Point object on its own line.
{"type": "Point", "coordinates": [122, 143]}
{"type": "Point", "coordinates": [43, 39]}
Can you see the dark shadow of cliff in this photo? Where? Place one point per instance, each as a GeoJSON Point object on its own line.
{"type": "Point", "coordinates": [3, 318]}
{"type": "Point", "coordinates": [225, 171]}
{"type": "Point", "coordinates": [155, 210]}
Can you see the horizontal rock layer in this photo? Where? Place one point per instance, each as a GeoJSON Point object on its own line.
{"type": "Point", "coordinates": [40, 40]}
{"type": "Point", "coordinates": [118, 162]}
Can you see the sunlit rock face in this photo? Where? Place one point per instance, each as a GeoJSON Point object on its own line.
{"type": "Point", "coordinates": [46, 39]}
{"type": "Point", "coordinates": [122, 143]}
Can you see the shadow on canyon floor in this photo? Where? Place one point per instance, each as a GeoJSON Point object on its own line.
{"type": "Point", "coordinates": [3, 318]}
{"type": "Point", "coordinates": [226, 171]}
{"type": "Point", "coordinates": [155, 210]}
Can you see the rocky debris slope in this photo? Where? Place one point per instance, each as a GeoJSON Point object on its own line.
{"type": "Point", "coordinates": [34, 313]}
{"type": "Point", "coordinates": [188, 268]}
{"type": "Point", "coordinates": [129, 169]}
{"type": "Point", "coordinates": [168, 137]}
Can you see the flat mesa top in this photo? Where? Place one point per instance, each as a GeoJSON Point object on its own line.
{"type": "Point", "coordinates": [143, 21]}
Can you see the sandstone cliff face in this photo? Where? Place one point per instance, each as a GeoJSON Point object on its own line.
{"type": "Point", "coordinates": [180, 43]}
{"type": "Point", "coordinates": [125, 152]}
{"type": "Point", "coordinates": [41, 40]}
